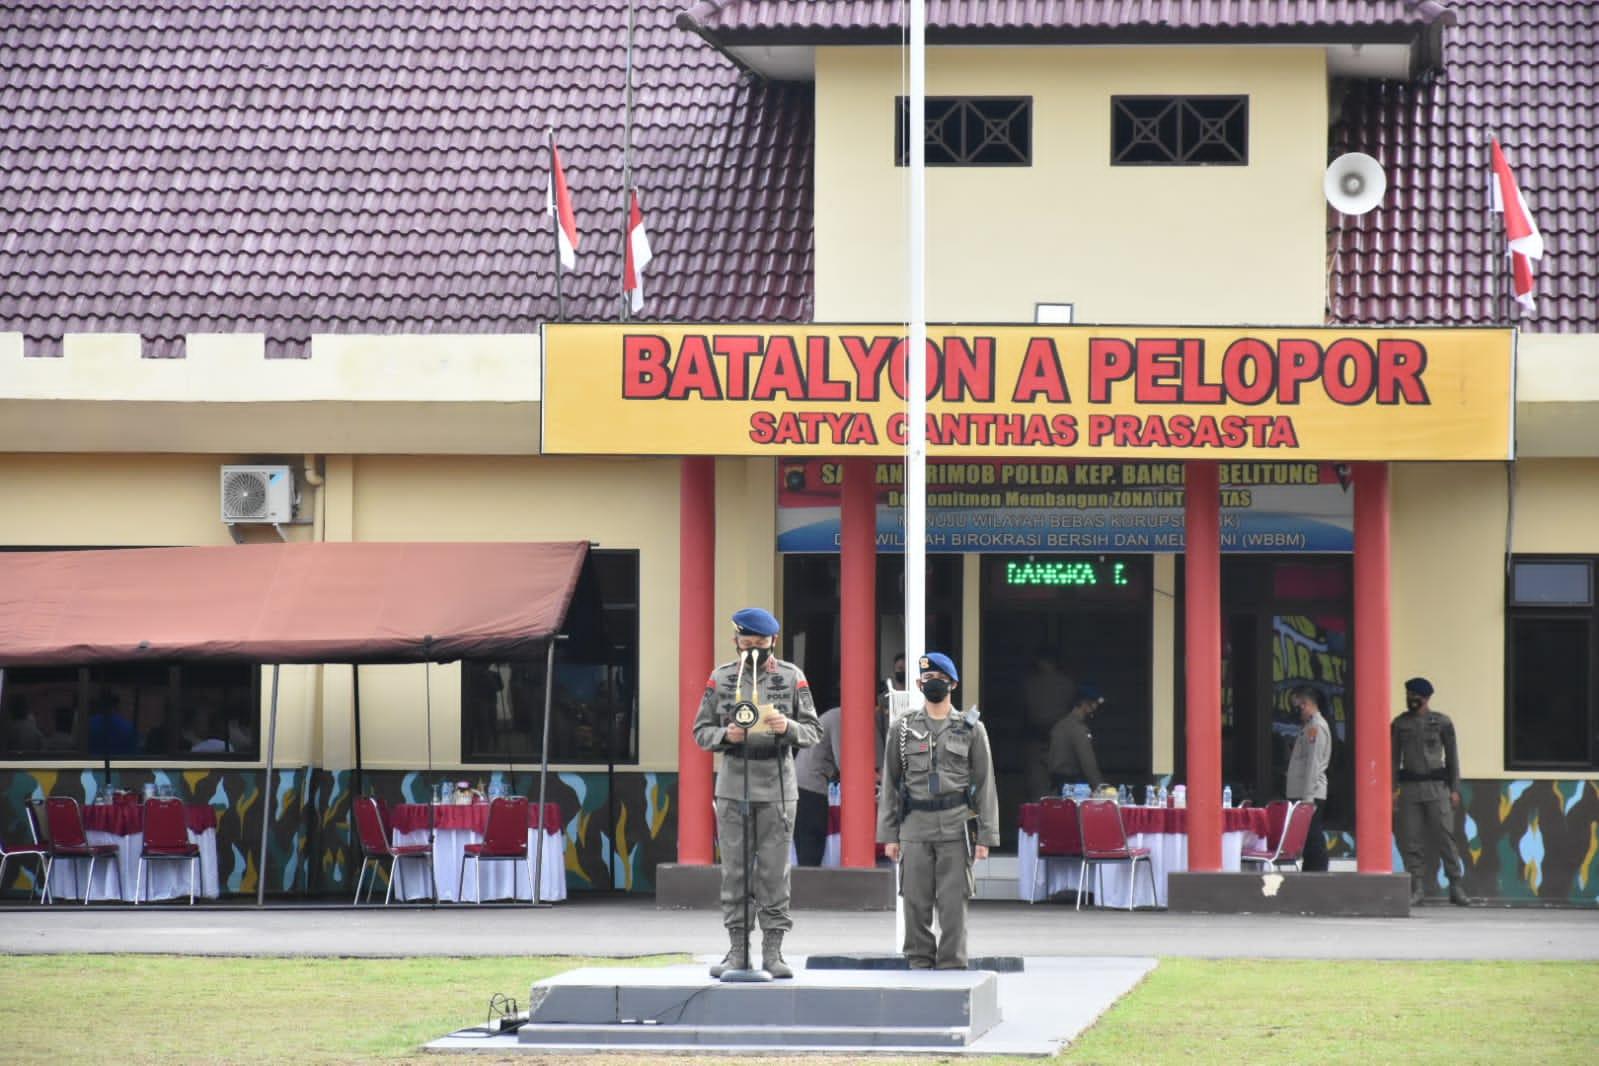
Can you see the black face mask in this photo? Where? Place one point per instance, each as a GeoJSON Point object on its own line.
{"type": "Point", "coordinates": [761, 655]}
{"type": "Point", "coordinates": [936, 690]}
{"type": "Point", "coordinates": [1413, 703]}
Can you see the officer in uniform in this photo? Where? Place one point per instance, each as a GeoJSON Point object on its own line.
{"type": "Point", "coordinates": [765, 756]}
{"type": "Point", "coordinates": [938, 780]}
{"type": "Point", "coordinates": [1071, 745]}
{"type": "Point", "coordinates": [1427, 789]}
{"type": "Point", "coordinates": [1307, 771]}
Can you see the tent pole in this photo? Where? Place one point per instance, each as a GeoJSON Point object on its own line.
{"type": "Point", "coordinates": [544, 766]}
{"type": "Point", "coordinates": [427, 688]}
{"type": "Point", "coordinates": [355, 672]}
{"type": "Point", "coordinates": [266, 794]}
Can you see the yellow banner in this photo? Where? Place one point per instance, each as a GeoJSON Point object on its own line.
{"type": "Point", "coordinates": [1176, 392]}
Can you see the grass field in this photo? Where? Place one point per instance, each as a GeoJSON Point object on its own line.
{"type": "Point", "coordinates": [143, 1009]}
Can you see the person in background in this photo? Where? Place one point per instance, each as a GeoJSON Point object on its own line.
{"type": "Point", "coordinates": [1048, 698]}
{"type": "Point", "coordinates": [899, 697]}
{"type": "Point", "coordinates": [816, 768]}
{"type": "Point", "coordinates": [110, 732]}
{"type": "Point", "coordinates": [1071, 744]}
{"type": "Point", "coordinates": [1426, 791]}
{"type": "Point", "coordinates": [937, 813]}
{"type": "Point", "coordinates": [759, 764]}
{"type": "Point", "coordinates": [22, 732]}
{"type": "Point", "coordinates": [1307, 771]}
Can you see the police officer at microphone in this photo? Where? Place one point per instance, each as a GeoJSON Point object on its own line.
{"type": "Point", "coordinates": [761, 759]}
{"type": "Point", "coordinates": [937, 813]}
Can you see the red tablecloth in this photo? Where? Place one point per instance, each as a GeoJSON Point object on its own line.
{"type": "Point", "coordinates": [125, 818]}
{"type": "Point", "coordinates": [1165, 819]}
{"type": "Point", "coordinates": [410, 817]}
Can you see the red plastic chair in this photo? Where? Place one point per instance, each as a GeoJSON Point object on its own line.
{"type": "Point", "coordinates": [68, 840]}
{"type": "Point", "coordinates": [372, 829]}
{"type": "Point", "coordinates": [1276, 820]}
{"type": "Point", "coordinates": [24, 852]}
{"type": "Point", "coordinates": [1291, 848]}
{"type": "Point", "coordinates": [1105, 841]}
{"type": "Point", "coordinates": [166, 839]}
{"type": "Point", "coordinates": [504, 840]}
{"type": "Point", "coordinates": [1059, 837]}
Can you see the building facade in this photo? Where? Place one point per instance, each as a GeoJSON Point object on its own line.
{"type": "Point", "coordinates": [347, 274]}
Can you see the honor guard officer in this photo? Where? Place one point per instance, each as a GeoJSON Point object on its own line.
{"type": "Point", "coordinates": [761, 759]}
{"type": "Point", "coordinates": [1426, 790]}
{"type": "Point", "coordinates": [936, 814]}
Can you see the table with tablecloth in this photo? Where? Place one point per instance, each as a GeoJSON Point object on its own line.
{"type": "Point", "coordinates": [1163, 830]}
{"type": "Point", "coordinates": [455, 825]}
{"type": "Point", "coordinates": [122, 824]}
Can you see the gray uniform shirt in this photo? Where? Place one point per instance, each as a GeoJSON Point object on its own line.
{"type": "Point", "coordinates": [1071, 750]}
{"type": "Point", "coordinates": [1426, 760]}
{"type": "Point", "coordinates": [916, 749]}
{"type": "Point", "coordinates": [820, 764]}
{"type": "Point", "coordinates": [783, 685]}
{"type": "Point", "coordinates": [1307, 765]}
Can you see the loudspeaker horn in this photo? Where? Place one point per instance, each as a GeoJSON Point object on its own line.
{"type": "Point", "coordinates": [1354, 183]}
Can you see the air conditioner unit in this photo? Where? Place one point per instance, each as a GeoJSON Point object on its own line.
{"type": "Point", "coordinates": [257, 494]}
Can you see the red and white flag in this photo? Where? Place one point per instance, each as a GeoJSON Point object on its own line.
{"type": "Point", "coordinates": [558, 205]}
{"type": "Point", "coordinates": [636, 256]}
{"type": "Point", "coordinates": [1523, 242]}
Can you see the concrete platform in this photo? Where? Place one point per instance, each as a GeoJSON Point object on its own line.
{"type": "Point", "coordinates": [1039, 1011]}
{"type": "Point", "coordinates": [888, 960]}
{"type": "Point", "coordinates": [682, 887]}
{"type": "Point", "coordinates": [683, 1006]}
{"type": "Point", "coordinates": [1332, 895]}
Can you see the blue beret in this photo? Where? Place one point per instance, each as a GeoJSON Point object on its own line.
{"type": "Point", "coordinates": [1088, 691]}
{"type": "Point", "coordinates": [1419, 685]}
{"type": "Point", "coordinates": [937, 660]}
{"type": "Point", "coordinates": [756, 622]}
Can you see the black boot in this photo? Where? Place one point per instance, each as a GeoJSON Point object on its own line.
{"type": "Point", "coordinates": [737, 957]}
{"type": "Point", "coordinates": [772, 954]}
{"type": "Point", "coordinates": [1457, 894]}
{"type": "Point", "coordinates": [1418, 893]}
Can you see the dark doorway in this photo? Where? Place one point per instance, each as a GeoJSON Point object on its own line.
{"type": "Point", "coordinates": [1092, 615]}
{"type": "Point", "coordinates": [811, 615]}
{"type": "Point", "coordinates": [1287, 621]}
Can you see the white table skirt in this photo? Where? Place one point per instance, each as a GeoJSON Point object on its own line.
{"type": "Point", "coordinates": [1168, 852]}
{"type": "Point", "coordinates": [169, 878]}
{"type": "Point", "coordinates": [501, 878]}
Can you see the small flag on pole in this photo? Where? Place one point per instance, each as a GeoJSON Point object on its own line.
{"type": "Point", "coordinates": [558, 205]}
{"type": "Point", "coordinates": [1523, 242]}
{"type": "Point", "coordinates": [636, 256]}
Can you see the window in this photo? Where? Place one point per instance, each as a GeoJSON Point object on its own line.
{"type": "Point", "coordinates": [133, 711]}
{"type": "Point", "coordinates": [970, 131]}
{"type": "Point", "coordinates": [1551, 649]}
{"type": "Point", "coordinates": [1179, 130]}
{"type": "Point", "coordinates": [594, 697]}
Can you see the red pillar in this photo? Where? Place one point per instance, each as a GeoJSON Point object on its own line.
{"type": "Point", "coordinates": [1202, 643]}
{"type": "Point", "coordinates": [858, 650]}
{"type": "Point", "coordinates": [696, 818]}
{"type": "Point", "coordinates": [1374, 804]}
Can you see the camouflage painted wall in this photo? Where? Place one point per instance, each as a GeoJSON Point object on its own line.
{"type": "Point", "coordinates": [311, 817]}
{"type": "Point", "coordinates": [1526, 841]}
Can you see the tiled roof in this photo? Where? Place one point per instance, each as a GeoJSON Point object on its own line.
{"type": "Point", "coordinates": [302, 166]}
{"type": "Point", "coordinates": [1527, 72]}
{"type": "Point", "coordinates": [746, 21]}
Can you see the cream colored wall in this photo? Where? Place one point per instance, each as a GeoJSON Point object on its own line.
{"type": "Point", "coordinates": [1449, 530]}
{"type": "Point", "coordinates": [1448, 544]}
{"type": "Point", "coordinates": [72, 501]}
{"type": "Point", "coordinates": [1124, 244]}
{"type": "Point", "coordinates": [618, 503]}
{"type": "Point", "coordinates": [1163, 686]}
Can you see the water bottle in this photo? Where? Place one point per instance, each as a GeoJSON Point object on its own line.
{"type": "Point", "coordinates": [1161, 796]}
{"type": "Point", "coordinates": [1227, 796]}
{"type": "Point", "coordinates": [1149, 795]}
{"type": "Point", "coordinates": [1180, 796]}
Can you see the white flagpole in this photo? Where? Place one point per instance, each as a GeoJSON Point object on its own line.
{"type": "Point", "coordinates": [916, 362]}
{"type": "Point", "coordinates": [915, 486]}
